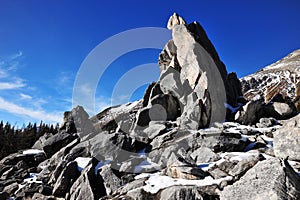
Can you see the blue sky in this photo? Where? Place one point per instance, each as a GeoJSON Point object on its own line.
{"type": "Point", "coordinates": [43, 43]}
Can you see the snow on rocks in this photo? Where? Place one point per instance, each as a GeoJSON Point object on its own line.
{"type": "Point", "coordinates": [32, 178]}
{"type": "Point", "coordinates": [238, 156]}
{"type": "Point", "coordinates": [82, 162]}
{"type": "Point", "coordinates": [33, 152]}
{"type": "Point", "coordinates": [157, 182]}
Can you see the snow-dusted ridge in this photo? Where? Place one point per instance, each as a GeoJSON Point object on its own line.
{"type": "Point", "coordinates": [281, 75]}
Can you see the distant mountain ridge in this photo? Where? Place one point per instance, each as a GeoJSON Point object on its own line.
{"type": "Point", "coordinates": [280, 78]}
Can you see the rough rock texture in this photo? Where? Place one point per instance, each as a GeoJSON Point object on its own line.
{"type": "Point", "coordinates": [82, 123]}
{"type": "Point", "coordinates": [82, 188]}
{"type": "Point", "coordinates": [281, 110]}
{"type": "Point", "coordinates": [177, 192]}
{"type": "Point", "coordinates": [254, 110]}
{"type": "Point", "coordinates": [182, 169]}
{"type": "Point", "coordinates": [266, 122]}
{"type": "Point", "coordinates": [40, 143]}
{"type": "Point", "coordinates": [56, 142]}
{"type": "Point", "coordinates": [269, 179]}
{"type": "Point", "coordinates": [38, 196]}
{"type": "Point", "coordinates": [66, 179]}
{"type": "Point", "coordinates": [286, 140]}
{"type": "Point", "coordinates": [111, 181]}
{"type": "Point", "coordinates": [251, 113]}
{"type": "Point", "coordinates": [204, 155]}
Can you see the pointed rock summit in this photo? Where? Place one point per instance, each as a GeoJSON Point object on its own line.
{"type": "Point", "coordinates": [174, 20]}
{"type": "Point", "coordinates": [193, 86]}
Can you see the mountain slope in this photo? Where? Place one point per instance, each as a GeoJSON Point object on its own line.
{"type": "Point", "coordinates": [281, 77]}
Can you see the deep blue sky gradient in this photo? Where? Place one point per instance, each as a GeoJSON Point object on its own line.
{"type": "Point", "coordinates": [53, 37]}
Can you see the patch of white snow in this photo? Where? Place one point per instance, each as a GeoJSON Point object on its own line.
{"type": "Point", "coordinates": [33, 152]}
{"type": "Point", "coordinates": [158, 182]}
{"type": "Point", "coordinates": [238, 156]}
{"type": "Point", "coordinates": [32, 178]}
{"type": "Point", "coordinates": [82, 162]}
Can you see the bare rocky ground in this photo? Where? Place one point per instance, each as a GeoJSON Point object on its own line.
{"type": "Point", "coordinates": [174, 143]}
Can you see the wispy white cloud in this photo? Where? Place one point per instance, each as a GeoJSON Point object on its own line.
{"type": "Point", "coordinates": [16, 55]}
{"type": "Point", "coordinates": [3, 73]}
{"type": "Point", "coordinates": [11, 63]}
{"type": "Point", "coordinates": [8, 79]}
{"type": "Point", "coordinates": [20, 98]}
{"type": "Point", "coordinates": [65, 78]}
{"type": "Point", "coordinates": [25, 96]}
{"type": "Point", "coordinates": [12, 85]}
{"type": "Point", "coordinates": [38, 103]}
{"type": "Point", "coordinates": [27, 112]}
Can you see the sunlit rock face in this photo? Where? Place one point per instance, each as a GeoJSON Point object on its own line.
{"type": "Point", "coordinates": [195, 77]}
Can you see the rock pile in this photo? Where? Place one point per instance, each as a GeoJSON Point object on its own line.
{"type": "Point", "coordinates": [157, 148]}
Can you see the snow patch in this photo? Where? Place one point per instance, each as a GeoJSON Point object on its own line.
{"type": "Point", "coordinates": [268, 140]}
{"type": "Point", "coordinates": [237, 128]}
{"type": "Point", "coordinates": [238, 156]}
{"type": "Point", "coordinates": [231, 124]}
{"type": "Point", "coordinates": [266, 156]}
{"type": "Point", "coordinates": [33, 152]}
{"type": "Point", "coordinates": [233, 130]}
{"type": "Point", "coordinates": [146, 175]}
{"type": "Point", "coordinates": [32, 179]}
{"type": "Point", "coordinates": [124, 107]}
{"type": "Point", "coordinates": [82, 162]}
{"type": "Point", "coordinates": [158, 182]}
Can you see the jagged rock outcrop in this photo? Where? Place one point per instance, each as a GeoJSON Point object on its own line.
{"type": "Point", "coordinates": [193, 85]}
